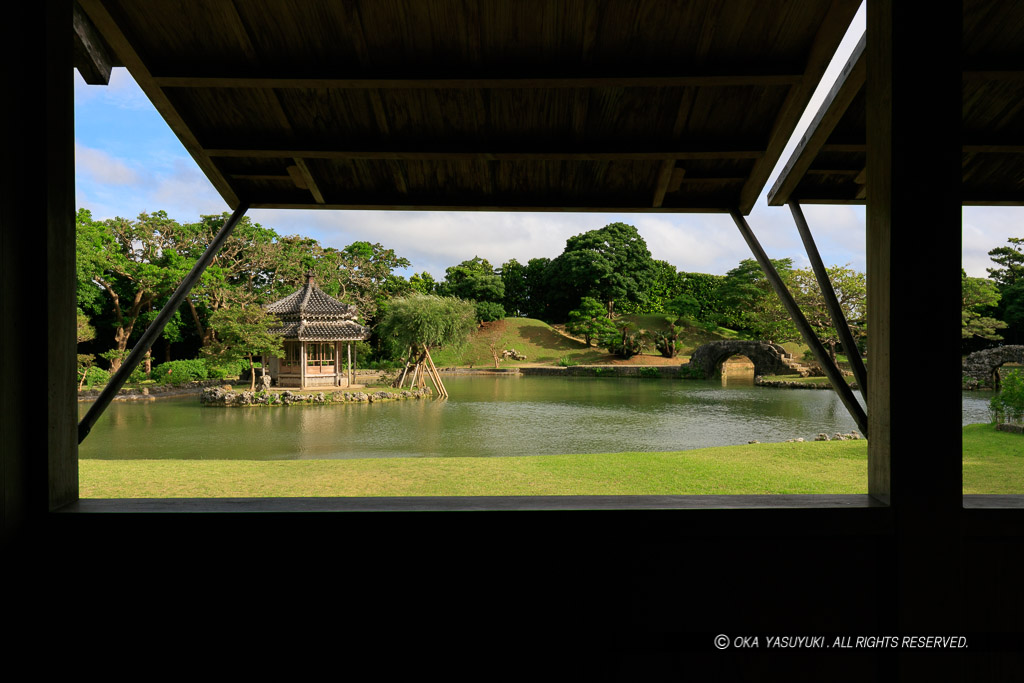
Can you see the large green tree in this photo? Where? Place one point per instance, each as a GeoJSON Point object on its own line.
{"type": "Point", "coordinates": [476, 280]}
{"type": "Point", "coordinates": [611, 264]}
{"type": "Point", "coordinates": [751, 302]}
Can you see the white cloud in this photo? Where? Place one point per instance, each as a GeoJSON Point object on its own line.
{"type": "Point", "coordinates": [99, 166]}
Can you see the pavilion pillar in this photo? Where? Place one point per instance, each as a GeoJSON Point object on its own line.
{"type": "Point", "coordinates": [302, 365]}
{"type": "Point", "coordinates": [38, 409]}
{"type": "Point", "coordinates": [914, 104]}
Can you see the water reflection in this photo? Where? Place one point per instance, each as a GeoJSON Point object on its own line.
{"type": "Point", "coordinates": [486, 416]}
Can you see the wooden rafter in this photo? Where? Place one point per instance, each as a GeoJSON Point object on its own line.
{"type": "Point", "coordinates": [92, 58]}
{"type": "Point", "coordinates": [448, 154]}
{"type": "Point", "coordinates": [124, 48]}
{"type": "Point", "coordinates": [532, 83]}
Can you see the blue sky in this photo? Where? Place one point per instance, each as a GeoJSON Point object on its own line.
{"type": "Point", "coordinates": [128, 161]}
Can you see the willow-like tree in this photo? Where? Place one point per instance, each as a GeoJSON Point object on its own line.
{"type": "Point", "coordinates": [419, 322]}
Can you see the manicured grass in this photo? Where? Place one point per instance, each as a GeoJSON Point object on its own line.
{"type": "Point", "coordinates": [993, 462]}
{"type": "Point", "coordinates": [826, 467]}
{"type": "Point", "coordinates": [541, 343]}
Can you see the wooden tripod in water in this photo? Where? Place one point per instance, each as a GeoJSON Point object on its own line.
{"type": "Point", "coordinates": [417, 372]}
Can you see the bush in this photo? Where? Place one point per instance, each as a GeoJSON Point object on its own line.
{"type": "Point", "coordinates": [180, 371]}
{"type": "Point", "coordinates": [96, 376]}
{"type": "Point", "coordinates": [649, 372]}
{"type": "Point", "coordinates": [229, 369]}
{"type": "Point", "coordinates": [139, 374]}
{"type": "Point", "coordinates": [567, 362]}
{"type": "Point", "coordinates": [690, 371]}
{"type": "Point", "coordinates": [489, 311]}
{"type": "Point", "coordinates": [1008, 404]}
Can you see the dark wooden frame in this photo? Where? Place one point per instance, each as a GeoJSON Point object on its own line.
{"type": "Point", "coordinates": [925, 561]}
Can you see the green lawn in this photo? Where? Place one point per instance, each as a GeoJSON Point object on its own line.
{"type": "Point", "coordinates": [993, 463]}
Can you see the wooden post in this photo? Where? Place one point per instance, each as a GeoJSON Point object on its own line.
{"type": "Point", "coordinates": [811, 339]}
{"type": "Point", "coordinates": [834, 310]}
{"type": "Point", "coordinates": [350, 375]}
{"type": "Point", "coordinates": [435, 375]}
{"type": "Point", "coordinates": [157, 326]}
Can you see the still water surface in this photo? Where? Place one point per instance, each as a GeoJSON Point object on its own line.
{"type": "Point", "coordinates": [485, 416]}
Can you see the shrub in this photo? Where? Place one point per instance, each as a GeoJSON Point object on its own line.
{"type": "Point", "coordinates": [1008, 404]}
{"type": "Point", "coordinates": [567, 362]}
{"type": "Point", "coordinates": [489, 311]}
{"type": "Point", "coordinates": [96, 376]}
{"type": "Point", "coordinates": [649, 372]}
{"type": "Point", "coordinates": [180, 371]}
{"type": "Point", "coordinates": [139, 374]}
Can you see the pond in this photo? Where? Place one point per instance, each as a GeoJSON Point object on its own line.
{"type": "Point", "coordinates": [485, 416]}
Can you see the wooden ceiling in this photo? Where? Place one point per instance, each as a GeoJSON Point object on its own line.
{"type": "Point", "coordinates": [828, 165]}
{"type": "Point", "coordinates": [621, 105]}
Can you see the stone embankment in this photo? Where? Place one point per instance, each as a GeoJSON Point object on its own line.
{"type": "Point", "coordinates": [852, 436]}
{"type": "Point", "coordinates": [148, 393]}
{"type": "Point", "coordinates": [783, 384]}
{"type": "Point", "coordinates": [223, 396]}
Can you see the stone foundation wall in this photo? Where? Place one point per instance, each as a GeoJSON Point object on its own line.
{"type": "Point", "coordinates": [220, 396]}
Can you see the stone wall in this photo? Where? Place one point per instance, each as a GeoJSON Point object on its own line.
{"type": "Point", "coordinates": [768, 358]}
{"type": "Point", "coordinates": [222, 396]}
{"type": "Point", "coordinates": [979, 368]}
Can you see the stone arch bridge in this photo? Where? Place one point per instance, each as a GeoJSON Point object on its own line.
{"type": "Point", "coordinates": [983, 366]}
{"type": "Point", "coordinates": [768, 358]}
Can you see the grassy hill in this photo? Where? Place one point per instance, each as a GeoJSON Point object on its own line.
{"type": "Point", "coordinates": [541, 343]}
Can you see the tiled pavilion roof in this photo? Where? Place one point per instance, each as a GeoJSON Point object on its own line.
{"type": "Point", "coordinates": [310, 314]}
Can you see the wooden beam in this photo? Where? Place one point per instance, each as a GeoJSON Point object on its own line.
{"type": "Point", "coordinates": [157, 326]}
{"type": "Point", "coordinates": [975, 148]}
{"type": "Point", "coordinates": [811, 339]}
{"type": "Point", "coordinates": [532, 83]}
{"type": "Point", "coordinates": [830, 34]}
{"type": "Point", "coordinates": [993, 74]}
{"type": "Point", "coordinates": [846, 88]}
{"type": "Point", "coordinates": [92, 58]}
{"type": "Point", "coordinates": [309, 180]}
{"type": "Point", "coordinates": [835, 311]}
{"type": "Point", "coordinates": [661, 185]}
{"type": "Point", "coordinates": [490, 205]}
{"type": "Point", "coordinates": [441, 154]}
{"type": "Point", "coordinates": [120, 45]}
{"type": "Point", "coordinates": [295, 173]}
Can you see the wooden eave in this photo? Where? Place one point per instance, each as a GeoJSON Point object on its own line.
{"type": "Point", "coordinates": [628, 105]}
{"type": "Point", "coordinates": [828, 165]}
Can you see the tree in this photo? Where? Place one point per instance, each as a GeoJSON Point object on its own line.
{"type": "Point", "coordinates": [611, 264]}
{"type": "Point", "coordinates": [426, 320]}
{"type": "Point", "coordinates": [1011, 259]}
{"type": "Point", "coordinates": [850, 288]}
{"type": "Point", "coordinates": [979, 293]}
{"type": "Point", "coordinates": [590, 320]}
{"type": "Point", "coordinates": [517, 293]}
{"type": "Point", "coordinates": [121, 259]}
{"type": "Point", "coordinates": [244, 332]}
{"type": "Point", "coordinates": [752, 304]}
{"type": "Point", "coordinates": [475, 280]}
{"type": "Point", "coordinates": [423, 283]}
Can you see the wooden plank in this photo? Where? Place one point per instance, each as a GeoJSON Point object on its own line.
{"type": "Point", "coordinates": [473, 83]}
{"type": "Point", "coordinates": [92, 58]}
{"type": "Point", "coordinates": [119, 43]}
